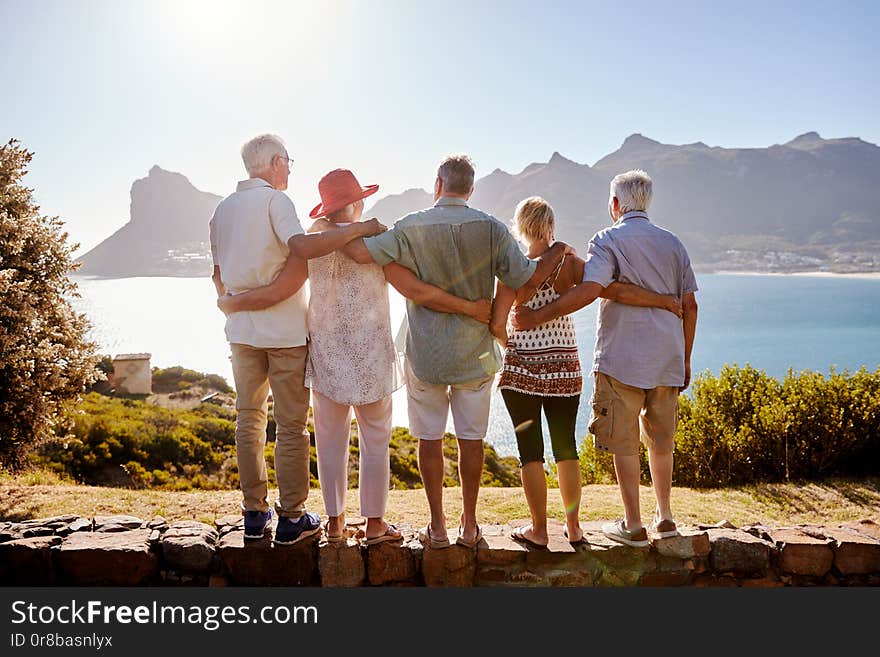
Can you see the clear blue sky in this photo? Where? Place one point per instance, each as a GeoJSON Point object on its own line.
{"type": "Point", "coordinates": [102, 90]}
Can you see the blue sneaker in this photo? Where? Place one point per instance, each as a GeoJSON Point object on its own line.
{"type": "Point", "coordinates": [256, 522]}
{"type": "Point", "coordinates": [290, 531]}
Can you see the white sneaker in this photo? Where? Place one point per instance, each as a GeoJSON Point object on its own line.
{"type": "Point", "coordinates": [663, 528]}
{"type": "Point", "coordinates": [617, 531]}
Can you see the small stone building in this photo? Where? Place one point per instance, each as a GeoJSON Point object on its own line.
{"type": "Point", "coordinates": [132, 374]}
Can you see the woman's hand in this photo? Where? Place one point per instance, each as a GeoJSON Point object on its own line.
{"type": "Point", "coordinates": [224, 303]}
{"type": "Point", "coordinates": [499, 330]}
{"type": "Point", "coordinates": [673, 305]}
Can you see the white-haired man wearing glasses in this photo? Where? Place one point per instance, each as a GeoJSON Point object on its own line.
{"type": "Point", "coordinates": [642, 359]}
{"type": "Point", "coordinates": [254, 231]}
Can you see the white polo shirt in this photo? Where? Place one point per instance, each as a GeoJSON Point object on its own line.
{"type": "Point", "coordinates": [249, 233]}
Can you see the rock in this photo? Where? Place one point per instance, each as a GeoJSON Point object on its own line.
{"type": "Point", "coordinates": [28, 561]}
{"type": "Point", "coordinates": [158, 522]}
{"type": "Point", "coordinates": [739, 552]}
{"type": "Point", "coordinates": [40, 530]}
{"type": "Point", "coordinates": [769, 582]}
{"type": "Point", "coordinates": [341, 564]}
{"type": "Point", "coordinates": [118, 523]}
{"type": "Point", "coordinates": [498, 549]}
{"type": "Point", "coordinates": [721, 524]}
{"type": "Point", "coordinates": [709, 580]}
{"type": "Point", "coordinates": [217, 581]}
{"type": "Point", "coordinates": [120, 558]}
{"type": "Point", "coordinates": [670, 578]}
{"type": "Point", "coordinates": [261, 563]}
{"type": "Point", "coordinates": [498, 557]}
{"type": "Point", "coordinates": [617, 577]}
{"type": "Point", "coordinates": [616, 555]}
{"type": "Point", "coordinates": [232, 520]}
{"type": "Point", "coordinates": [189, 546]}
{"type": "Point", "coordinates": [688, 544]}
{"type": "Point", "coordinates": [454, 566]}
{"type": "Point", "coordinates": [576, 579]}
{"type": "Point", "coordinates": [802, 553]}
{"type": "Point", "coordinates": [855, 553]}
{"type": "Point", "coordinates": [866, 526]}
{"type": "Point", "coordinates": [391, 563]}
{"type": "Point", "coordinates": [78, 525]}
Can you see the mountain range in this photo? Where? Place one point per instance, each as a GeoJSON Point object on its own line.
{"type": "Point", "coordinates": [808, 204]}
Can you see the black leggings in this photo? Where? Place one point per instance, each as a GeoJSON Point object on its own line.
{"type": "Point", "coordinates": [561, 414]}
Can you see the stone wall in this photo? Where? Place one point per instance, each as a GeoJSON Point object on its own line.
{"type": "Point", "coordinates": [127, 551]}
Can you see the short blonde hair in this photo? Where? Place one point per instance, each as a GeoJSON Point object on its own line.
{"type": "Point", "coordinates": [633, 190]}
{"type": "Point", "coordinates": [533, 220]}
{"type": "Point", "coordinates": [457, 174]}
{"type": "Point", "coordinates": [257, 153]}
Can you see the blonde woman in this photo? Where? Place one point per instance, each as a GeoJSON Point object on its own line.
{"type": "Point", "coordinates": [353, 364]}
{"type": "Point", "coordinates": [542, 371]}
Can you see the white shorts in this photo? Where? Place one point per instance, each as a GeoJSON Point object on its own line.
{"type": "Point", "coordinates": [428, 407]}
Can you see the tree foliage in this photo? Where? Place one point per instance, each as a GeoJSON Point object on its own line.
{"type": "Point", "coordinates": [46, 358]}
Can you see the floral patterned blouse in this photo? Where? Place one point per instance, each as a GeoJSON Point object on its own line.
{"type": "Point", "coordinates": [352, 358]}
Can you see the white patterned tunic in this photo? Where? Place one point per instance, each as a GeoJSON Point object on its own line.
{"type": "Point", "coordinates": [352, 358]}
{"type": "Point", "coordinates": [543, 360]}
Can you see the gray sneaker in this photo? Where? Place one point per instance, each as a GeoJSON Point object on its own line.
{"type": "Point", "coordinates": [663, 528]}
{"type": "Point", "coordinates": [617, 531]}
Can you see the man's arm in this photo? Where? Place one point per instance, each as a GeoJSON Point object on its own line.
{"type": "Point", "coordinates": [633, 295]}
{"type": "Point", "coordinates": [317, 244]}
{"type": "Point", "coordinates": [689, 325]}
{"type": "Point", "coordinates": [286, 284]}
{"type": "Point", "coordinates": [573, 299]}
{"type": "Point", "coordinates": [354, 249]}
{"type": "Point", "coordinates": [546, 264]}
{"type": "Point", "coordinates": [433, 297]}
{"type": "Point", "coordinates": [218, 282]}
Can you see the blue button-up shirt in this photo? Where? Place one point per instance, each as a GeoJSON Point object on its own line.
{"type": "Point", "coordinates": [642, 347]}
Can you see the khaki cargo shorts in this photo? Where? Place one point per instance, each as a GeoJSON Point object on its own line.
{"type": "Point", "coordinates": [620, 415]}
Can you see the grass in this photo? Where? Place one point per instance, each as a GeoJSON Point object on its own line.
{"type": "Point", "coordinates": [40, 494]}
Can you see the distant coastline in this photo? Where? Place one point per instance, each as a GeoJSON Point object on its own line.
{"type": "Point", "coordinates": [815, 273]}
{"type": "Point", "coordinates": [819, 273]}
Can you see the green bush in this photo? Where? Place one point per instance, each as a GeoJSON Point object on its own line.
{"type": "Point", "coordinates": [743, 426]}
{"type": "Point", "coordinates": [172, 379]}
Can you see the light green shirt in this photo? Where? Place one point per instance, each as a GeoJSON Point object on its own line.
{"type": "Point", "coordinates": [461, 250]}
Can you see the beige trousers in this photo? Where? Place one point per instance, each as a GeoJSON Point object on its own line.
{"type": "Point", "coordinates": [332, 431]}
{"type": "Point", "coordinates": [255, 370]}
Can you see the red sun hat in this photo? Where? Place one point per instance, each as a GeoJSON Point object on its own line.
{"type": "Point", "coordinates": [338, 189]}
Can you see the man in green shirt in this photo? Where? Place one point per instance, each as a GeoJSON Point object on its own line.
{"type": "Point", "coordinates": [452, 359]}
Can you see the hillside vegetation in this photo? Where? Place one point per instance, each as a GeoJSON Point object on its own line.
{"type": "Point", "coordinates": [737, 428]}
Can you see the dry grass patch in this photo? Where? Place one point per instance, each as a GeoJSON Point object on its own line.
{"type": "Point", "coordinates": [35, 495]}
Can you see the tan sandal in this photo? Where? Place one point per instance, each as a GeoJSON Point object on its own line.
{"type": "Point", "coordinates": [426, 538]}
{"type": "Point", "coordinates": [392, 533]}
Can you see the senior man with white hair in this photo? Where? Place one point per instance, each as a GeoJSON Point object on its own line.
{"type": "Point", "coordinates": [642, 359]}
{"type": "Point", "coordinates": [254, 232]}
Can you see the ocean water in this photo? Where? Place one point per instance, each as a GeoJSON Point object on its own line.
{"type": "Point", "coordinates": [773, 322]}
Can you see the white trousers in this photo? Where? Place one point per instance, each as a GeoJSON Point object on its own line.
{"type": "Point", "coordinates": [332, 432]}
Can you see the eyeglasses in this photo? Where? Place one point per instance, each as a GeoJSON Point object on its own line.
{"type": "Point", "coordinates": [289, 161]}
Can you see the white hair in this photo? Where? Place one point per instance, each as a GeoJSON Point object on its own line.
{"type": "Point", "coordinates": [258, 152]}
{"type": "Point", "coordinates": [633, 190]}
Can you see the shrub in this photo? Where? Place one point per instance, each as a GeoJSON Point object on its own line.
{"type": "Point", "coordinates": [45, 356]}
